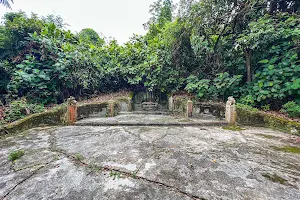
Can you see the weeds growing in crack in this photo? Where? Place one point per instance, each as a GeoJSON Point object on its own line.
{"type": "Point", "coordinates": [78, 157]}
{"type": "Point", "coordinates": [133, 174]}
{"type": "Point", "coordinates": [15, 155]}
{"type": "Point", "coordinates": [94, 168]}
{"type": "Point", "coordinates": [115, 174]}
{"type": "Point", "coordinates": [56, 157]}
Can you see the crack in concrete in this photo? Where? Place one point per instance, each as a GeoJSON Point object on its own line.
{"type": "Point", "coordinates": [90, 133]}
{"type": "Point", "coordinates": [31, 166]}
{"type": "Point", "coordinates": [143, 163]}
{"type": "Point", "coordinates": [127, 174]}
{"type": "Point", "coordinates": [24, 180]}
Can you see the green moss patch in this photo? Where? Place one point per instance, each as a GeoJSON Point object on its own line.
{"type": "Point", "coordinates": [233, 128]}
{"type": "Point", "coordinates": [275, 178]}
{"type": "Point", "coordinates": [15, 155]}
{"type": "Point", "coordinates": [185, 120]}
{"type": "Point", "coordinates": [288, 149]}
{"type": "Point", "coordinates": [78, 157]}
{"type": "Point", "coordinates": [267, 136]}
{"type": "Point", "coordinates": [54, 117]}
{"type": "Point", "coordinates": [248, 116]}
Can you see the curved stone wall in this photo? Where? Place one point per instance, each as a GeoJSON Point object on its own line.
{"type": "Point", "coordinates": [257, 118]}
{"type": "Point", "coordinates": [55, 117]}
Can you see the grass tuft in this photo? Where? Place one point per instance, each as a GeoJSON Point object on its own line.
{"type": "Point", "coordinates": [15, 155]}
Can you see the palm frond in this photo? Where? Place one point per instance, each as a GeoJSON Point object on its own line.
{"type": "Point", "coordinates": [6, 3]}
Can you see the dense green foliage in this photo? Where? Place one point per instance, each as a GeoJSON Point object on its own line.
{"type": "Point", "coordinates": [249, 49]}
{"type": "Point", "coordinates": [20, 108]}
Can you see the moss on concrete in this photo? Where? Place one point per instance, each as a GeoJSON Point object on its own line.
{"type": "Point", "coordinates": [275, 178]}
{"type": "Point", "coordinates": [15, 155]}
{"type": "Point", "coordinates": [233, 128]}
{"type": "Point", "coordinates": [267, 136]}
{"type": "Point", "coordinates": [56, 116]}
{"type": "Point", "coordinates": [288, 149]}
{"type": "Point", "coordinates": [254, 117]}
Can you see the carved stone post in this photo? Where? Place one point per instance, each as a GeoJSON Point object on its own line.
{"type": "Point", "coordinates": [189, 108]}
{"type": "Point", "coordinates": [111, 108]}
{"type": "Point", "coordinates": [130, 106]}
{"type": "Point", "coordinates": [72, 110]}
{"type": "Point", "coordinates": [171, 103]}
{"type": "Point", "coordinates": [230, 113]}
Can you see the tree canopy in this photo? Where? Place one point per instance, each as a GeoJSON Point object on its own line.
{"type": "Point", "coordinates": [248, 49]}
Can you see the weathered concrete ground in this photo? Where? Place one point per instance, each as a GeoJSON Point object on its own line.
{"type": "Point", "coordinates": [157, 162]}
{"type": "Point", "coordinates": [146, 119]}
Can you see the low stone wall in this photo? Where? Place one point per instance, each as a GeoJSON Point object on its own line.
{"type": "Point", "coordinates": [61, 116]}
{"type": "Point", "coordinates": [55, 117]}
{"type": "Point", "coordinates": [104, 109]}
{"type": "Point", "coordinates": [257, 118]}
{"type": "Point", "coordinates": [216, 109]}
{"type": "Point", "coordinates": [179, 105]}
{"type": "Point", "coordinates": [92, 110]}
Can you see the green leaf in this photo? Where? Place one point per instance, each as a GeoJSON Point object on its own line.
{"type": "Point", "coordinates": [270, 67]}
{"type": "Point", "coordinates": [264, 61]}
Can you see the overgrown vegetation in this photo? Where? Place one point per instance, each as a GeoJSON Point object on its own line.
{"type": "Point", "coordinates": [18, 109]}
{"type": "Point", "coordinates": [213, 49]}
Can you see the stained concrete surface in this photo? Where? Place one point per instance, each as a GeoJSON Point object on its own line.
{"type": "Point", "coordinates": [151, 119]}
{"type": "Point", "coordinates": [149, 162]}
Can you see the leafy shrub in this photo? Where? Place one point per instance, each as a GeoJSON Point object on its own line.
{"type": "Point", "coordinates": [200, 87]}
{"type": "Point", "coordinates": [246, 107]}
{"type": "Point", "coordinates": [220, 87]}
{"type": "Point", "coordinates": [247, 100]}
{"type": "Point", "coordinates": [292, 109]}
{"type": "Point", "coordinates": [20, 108]}
{"type": "Point", "coordinates": [266, 107]}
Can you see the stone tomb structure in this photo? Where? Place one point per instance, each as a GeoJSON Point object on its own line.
{"type": "Point", "coordinates": [150, 101]}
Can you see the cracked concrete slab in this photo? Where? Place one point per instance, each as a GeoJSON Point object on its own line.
{"type": "Point", "coordinates": [157, 162]}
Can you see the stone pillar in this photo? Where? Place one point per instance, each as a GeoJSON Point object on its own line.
{"type": "Point", "coordinates": [230, 113]}
{"type": "Point", "coordinates": [189, 108]}
{"type": "Point", "coordinates": [72, 110]}
{"type": "Point", "coordinates": [130, 106]}
{"type": "Point", "coordinates": [111, 108]}
{"type": "Point", "coordinates": [171, 104]}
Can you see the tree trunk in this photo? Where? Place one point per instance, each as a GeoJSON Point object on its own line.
{"type": "Point", "coordinates": [248, 64]}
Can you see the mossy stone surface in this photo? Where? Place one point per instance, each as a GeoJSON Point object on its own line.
{"type": "Point", "coordinates": [54, 117]}
{"type": "Point", "coordinates": [233, 128]}
{"type": "Point", "coordinates": [256, 118]}
{"type": "Point", "coordinates": [288, 149]}
{"type": "Point", "coordinates": [275, 178]}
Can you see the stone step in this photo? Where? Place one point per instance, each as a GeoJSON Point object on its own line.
{"type": "Point", "coordinates": [152, 124]}
{"type": "Point", "coordinates": [91, 122]}
{"type": "Point", "coordinates": [145, 113]}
